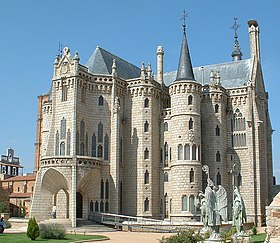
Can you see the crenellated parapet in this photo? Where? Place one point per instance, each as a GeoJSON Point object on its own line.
{"type": "Point", "coordinates": [184, 87]}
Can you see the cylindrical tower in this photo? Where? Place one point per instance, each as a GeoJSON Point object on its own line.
{"type": "Point", "coordinates": [160, 54]}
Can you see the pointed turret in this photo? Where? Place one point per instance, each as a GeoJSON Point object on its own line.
{"type": "Point", "coordinates": [185, 69]}
{"type": "Point", "coordinates": [236, 54]}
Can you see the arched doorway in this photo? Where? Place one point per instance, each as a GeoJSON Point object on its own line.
{"type": "Point", "coordinates": [79, 205]}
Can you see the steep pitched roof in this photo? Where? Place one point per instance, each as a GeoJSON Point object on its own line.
{"type": "Point", "coordinates": [101, 62]}
{"type": "Point", "coordinates": [233, 74]}
{"type": "Point", "coordinates": [185, 69]}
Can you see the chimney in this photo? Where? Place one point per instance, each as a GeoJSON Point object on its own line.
{"type": "Point", "coordinates": [160, 54]}
{"type": "Point", "coordinates": [254, 38]}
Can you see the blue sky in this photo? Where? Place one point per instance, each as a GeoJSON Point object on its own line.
{"type": "Point", "coordinates": [31, 30]}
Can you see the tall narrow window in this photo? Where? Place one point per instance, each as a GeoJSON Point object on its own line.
{"type": "Point", "coordinates": [93, 146]}
{"type": "Point", "coordinates": [86, 146]}
{"type": "Point", "coordinates": [107, 189]}
{"type": "Point", "coordinates": [192, 205]}
{"type": "Point", "coordinates": [146, 154]}
{"type": "Point", "coordinates": [238, 128]}
{"type": "Point", "coordinates": [68, 141]}
{"type": "Point", "coordinates": [216, 108]}
{"type": "Point", "coordinates": [100, 100]}
{"type": "Point", "coordinates": [191, 175]}
{"type": "Point", "coordinates": [165, 177]}
{"type": "Point", "coordinates": [161, 156]}
{"type": "Point", "coordinates": [82, 130]}
{"type": "Point", "coordinates": [194, 152]}
{"type": "Point", "coordinates": [190, 124]}
{"type": "Point", "coordinates": [146, 205]}
{"type": "Point", "coordinates": [198, 153]}
{"type": "Point", "coordinates": [56, 143]}
{"type": "Point", "coordinates": [146, 126]}
{"type": "Point", "coordinates": [106, 147]}
{"type": "Point", "coordinates": [239, 180]}
{"type": "Point", "coordinates": [190, 100]}
{"type": "Point", "coordinates": [102, 206]}
{"type": "Point", "coordinates": [184, 203]}
{"type": "Point", "coordinates": [96, 206]}
{"type": "Point", "coordinates": [100, 132]}
{"type": "Point", "coordinates": [146, 177]}
{"type": "Point", "coordinates": [63, 128]}
{"type": "Point", "coordinates": [106, 206]}
{"type": "Point", "coordinates": [166, 205]}
{"type": "Point", "coordinates": [165, 154]}
{"type": "Point", "coordinates": [146, 103]}
{"type": "Point", "coordinates": [180, 152]}
{"type": "Point", "coordinates": [77, 143]}
{"type": "Point", "coordinates": [102, 189]}
{"type": "Point", "coordinates": [64, 93]}
{"type": "Point", "coordinates": [82, 149]}
{"type": "Point", "coordinates": [62, 149]}
{"type": "Point", "coordinates": [218, 156]}
{"type": "Point", "coordinates": [165, 126]}
{"type": "Point", "coordinates": [187, 152]}
{"type": "Point", "coordinates": [100, 151]}
{"type": "Point", "coordinates": [217, 130]}
{"type": "Point", "coordinates": [170, 154]}
{"type": "Point", "coordinates": [219, 179]}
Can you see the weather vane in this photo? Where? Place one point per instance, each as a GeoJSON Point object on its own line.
{"type": "Point", "coordinates": [185, 15]}
{"type": "Point", "coordinates": [235, 27]}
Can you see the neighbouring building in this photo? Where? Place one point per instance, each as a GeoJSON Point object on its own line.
{"type": "Point", "coordinates": [111, 137]}
{"type": "Point", "coordinates": [9, 164]}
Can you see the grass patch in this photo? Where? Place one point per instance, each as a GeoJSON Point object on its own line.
{"type": "Point", "coordinates": [22, 238]}
{"type": "Point", "coordinates": [259, 238]}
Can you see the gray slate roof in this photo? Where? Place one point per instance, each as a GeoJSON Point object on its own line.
{"type": "Point", "coordinates": [233, 74]}
{"type": "Point", "coordinates": [101, 62]}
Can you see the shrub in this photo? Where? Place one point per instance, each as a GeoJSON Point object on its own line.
{"type": "Point", "coordinates": [52, 231]}
{"type": "Point", "coordinates": [33, 230]}
{"type": "Point", "coordinates": [187, 236]}
{"type": "Point", "coordinates": [227, 235]}
{"type": "Point", "coordinates": [254, 230]}
{"type": "Point", "coordinates": [3, 208]}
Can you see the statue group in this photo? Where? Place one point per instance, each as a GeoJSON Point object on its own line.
{"type": "Point", "coordinates": [213, 207]}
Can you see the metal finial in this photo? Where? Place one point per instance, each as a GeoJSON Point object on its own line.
{"type": "Point", "coordinates": [185, 15]}
{"type": "Point", "coordinates": [235, 27]}
{"type": "Point", "coordinates": [59, 49]}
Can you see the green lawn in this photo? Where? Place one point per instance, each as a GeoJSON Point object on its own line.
{"type": "Point", "coordinates": [22, 238]}
{"type": "Point", "coordinates": [259, 238]}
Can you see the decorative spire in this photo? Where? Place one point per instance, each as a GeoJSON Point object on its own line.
{"type": "Point", "coordinates": [185, 70]}
{"type": "Point", "coordinates": [236, 54]}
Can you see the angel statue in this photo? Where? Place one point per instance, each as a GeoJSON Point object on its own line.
{"type": "Point", "coordinates": [215, 206]}
{"type": "Point", "coordinates": [239, 213]}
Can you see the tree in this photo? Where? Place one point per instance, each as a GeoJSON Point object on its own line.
{"type": "Point", "coordinates": [33, 230]}
{"type": "Point", "coordinates": [3, 208]}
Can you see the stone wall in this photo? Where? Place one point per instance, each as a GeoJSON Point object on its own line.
{"type": "Point", "coordinates": [273, 217]}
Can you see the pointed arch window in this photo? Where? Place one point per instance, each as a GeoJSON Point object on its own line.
{"type": "Point", "coordinates": [100, 151]}
{"type": "Point", "coordinates": [146, 177]}
{"type": "Point", "coordinates": [165, 154]}
{"type": "Point", "coordinates": [180, 152]}
{"type": "Point", "coordinates": [217, 130]}
{"type": "Point", "coordinates": [194, 152]}
{"type": "Point", "coordinates": [101, 206]}
{"type": "Point", "coordinates": [184, 203]}
{"type": "Point", "coordinates": [68, 141]}
{"type": "Point", "coordinates": [82, 149]}
{"type": "Point", "coordinates": [82, 130]}
{"type": "Point", "coordinates": [86, 146]}
{"type": "Point", "coordinates": [239, 180]}
{"type": "Point", "coordinates": [190, 124]}
{"type": "Point", "coordinates": [218, 156]}
{"type": "Point", "coordinates": [198, 153]}
{"type": "Point", "coordinates": [56, 143]}
{"type": "Point", "coordinates": [170, 154]}
{"type": "Point", "coordinates": [216, 108]}
{"type": "Point", "coordinates": [62, 149]}
{"type": "Point", "coordinates": [93, 146]}
{"type": "Point", "coordinates": [165, 177]}
{"type": "Point", "coordinates": [238, 128]}
{"type": "Point", "coordinates": [146, 103]}
{"type": "Point", "coordinates": [100, 100]}
{"type": "Point", "coordinates": [190, 100]}
{"type": "Point", "coordinates": [106, 206]}
{"type": "Point", "coordinates": [187, 152]}
{"type": "Point", "coordinates": [191, 175]}
{"type": "Point", "coordinates": [146, 153]}
{"type": "Point", "coordinates": [100, 132]}
{"type": "Point", "coordinates": [77, 144]}
{"type": "Point", "coordinates": [146, 205]}
{"type": "Point", "coordinates": [166, 205]}
{"type": "Point", "coordinates": [63, 128]}
{"type": "Point", "coordinates": [146, 126]}
{"type": "Point", "coordinates": [219, 179]}
{"type": "Point", "coordinates": [106, 147]}
{"type": "Point", "coordinates": [96, 206]}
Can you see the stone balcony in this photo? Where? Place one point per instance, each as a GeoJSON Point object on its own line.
{"type": "Point", "coordinates": [79, 161]}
